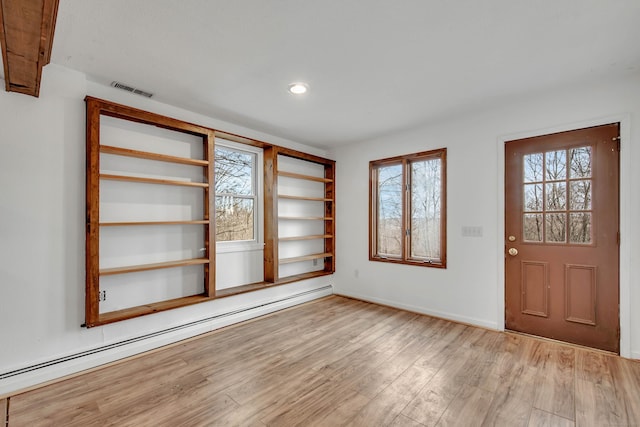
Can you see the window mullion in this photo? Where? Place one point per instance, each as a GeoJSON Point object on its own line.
{"type": "Point", "coordinates": [406, 210]}
{"type": "Point", "coordinates": [375, 213]}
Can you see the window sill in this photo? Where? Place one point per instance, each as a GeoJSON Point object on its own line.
{"type": "Point", "coordinates": [417, 263]}
{"type": "Point", "coordinates": [228, 247]}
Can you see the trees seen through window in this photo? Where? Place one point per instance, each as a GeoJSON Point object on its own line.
{"type": "Point", "coordinates": [236, 198]}
{"type": "Point", "coordinates": [408, 209]}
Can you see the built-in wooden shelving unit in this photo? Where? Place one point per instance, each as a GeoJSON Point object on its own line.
{"type": "Point", "coordinates": [96, 109]}
{"type": "Point", "coordinates": [308, 220]}
{"type": "Point", "coordinates": [324, 200]}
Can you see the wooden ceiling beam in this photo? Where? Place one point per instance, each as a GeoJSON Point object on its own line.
{"type": "Point", "coordinates": [26, 39]}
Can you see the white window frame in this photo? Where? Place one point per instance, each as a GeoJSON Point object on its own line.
{"type": "Point", "coordinates": [258, 223]}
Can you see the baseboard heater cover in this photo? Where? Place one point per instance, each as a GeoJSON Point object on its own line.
{"type": "Point", "coordinates": [267, 307]}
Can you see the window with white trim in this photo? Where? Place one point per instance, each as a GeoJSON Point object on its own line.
{"type": "Point", "coordinates": [238, 191]}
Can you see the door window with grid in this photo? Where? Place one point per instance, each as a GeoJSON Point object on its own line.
{"type": "Point", "coordinates": [557, 196]}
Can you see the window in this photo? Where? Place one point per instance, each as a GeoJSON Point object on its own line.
{"type": "Point", "coordinates": [408, 209]}
{"type": "Point", "coordinates": [557, 196]}
{"type": "Point", "coordinates": [237, 189]}
{"type": "Point", "coordinates": [165, 180]}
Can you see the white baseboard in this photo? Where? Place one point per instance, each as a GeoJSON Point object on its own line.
{"type": "Point", "coordinates": [635, 354]}
{"type": "Point", "coordinates": [416, 309]}
{"type": "Point", "coordinates": [13, 382]}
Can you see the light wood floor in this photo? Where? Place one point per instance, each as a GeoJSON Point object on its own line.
{"type": "Point", "coordinates": [337, 362]}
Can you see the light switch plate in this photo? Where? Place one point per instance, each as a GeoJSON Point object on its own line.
{"type": "Point", "coordinates": [471, 231]}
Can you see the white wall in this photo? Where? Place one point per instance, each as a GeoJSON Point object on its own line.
{"type": "Point", "coordinates": [471, 289]}
{"type": "Point", "coordinates": [42, 211]}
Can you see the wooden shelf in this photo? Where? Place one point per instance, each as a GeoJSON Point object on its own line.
{"type": "Point", "coordinates": [310, 237]}
{"type": "Point", "coordinates": [311, 199]}
{"type": "Point", "coordinates": [262, 285]}
{"type": "Point", "coordinates": [107, 149]}
{"type": "Point", "coordinates": [303, 276]}
{"type": "Point", "coordinates": [152, 180]}
{"type": "Point", "coordinates": [154, 266]}
{"type": "Point", "coordinates": [305, 258]}
{"type": "Point", "coordinates": [307, 218]}
{"type": "Point", "coordinates": [141, 310]}
{"type": "Point", "coordinates": [305, 177]}
{"type": "Point", "coordinates": [134, 223]}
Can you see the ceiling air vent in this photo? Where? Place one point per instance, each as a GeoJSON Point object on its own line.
{"type": "Point", "coordinates": [131, 89]}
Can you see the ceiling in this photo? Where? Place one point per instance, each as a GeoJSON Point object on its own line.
{"type": "Point", "coordinates": [373, 67]}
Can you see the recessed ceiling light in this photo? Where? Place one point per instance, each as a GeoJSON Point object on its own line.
{"type": "Point", "coordinates": [298, 88]}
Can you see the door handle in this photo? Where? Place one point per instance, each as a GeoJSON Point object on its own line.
{"type": "Point", "coordinates": [513, 251]}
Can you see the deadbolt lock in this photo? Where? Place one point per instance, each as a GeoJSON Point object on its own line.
{"type": "Point", "coordinates": [512, 238]}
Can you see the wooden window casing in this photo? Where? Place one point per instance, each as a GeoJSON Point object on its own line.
{"type": "Point", "coordinates": [405, 232]}
{"type": "Point", "coordinates": [96, 108]}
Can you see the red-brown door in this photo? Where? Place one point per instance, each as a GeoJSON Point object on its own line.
{"type": "Point", "coordinates": [561, 236]}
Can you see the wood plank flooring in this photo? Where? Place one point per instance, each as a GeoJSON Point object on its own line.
{"type": "Point", "coordinates": [341, 362]}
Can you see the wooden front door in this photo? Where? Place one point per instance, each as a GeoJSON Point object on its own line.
{"type": "Point", "coordinates": [561, 236]}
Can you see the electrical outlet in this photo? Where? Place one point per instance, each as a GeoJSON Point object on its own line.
{"type": "Point", "coordinates": [102, 296]}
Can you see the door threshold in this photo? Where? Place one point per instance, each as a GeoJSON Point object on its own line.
{"type": "Point", "coordinates": [569, 344]}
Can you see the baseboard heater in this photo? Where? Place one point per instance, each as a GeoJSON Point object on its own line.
{"type": "Point", "coordinates": [112, 346]}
